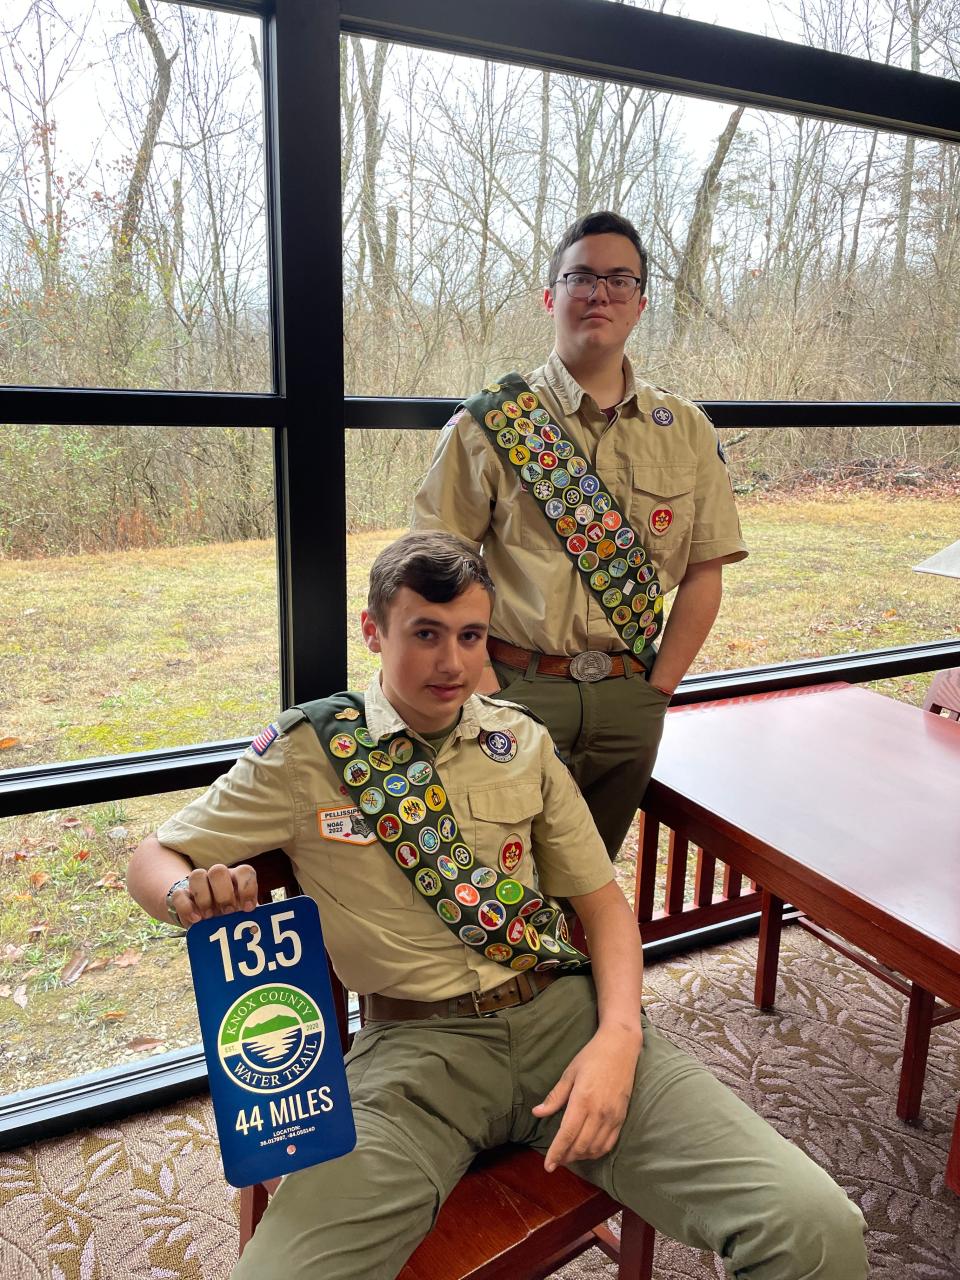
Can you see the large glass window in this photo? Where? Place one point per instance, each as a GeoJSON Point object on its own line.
{"type": "Point", "coordinates": [138, 596]}
{"type": "Point", "coordinates": [132, 217]}
{"type": "Point", "coordinates": [789, 258]}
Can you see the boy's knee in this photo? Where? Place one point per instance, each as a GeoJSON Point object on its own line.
{"type": "Point", "coordinates": [816, 1234]}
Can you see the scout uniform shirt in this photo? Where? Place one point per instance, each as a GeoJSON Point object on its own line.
{"type": "Point", "coordinates": [523, 815]}
{"type": "Point", "coordinates": [660, 459]}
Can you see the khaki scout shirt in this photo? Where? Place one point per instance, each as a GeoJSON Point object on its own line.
{"type": "Point", "coordinates": [381, 934]}
{"type": "Point", "coordinates": [541, 602]}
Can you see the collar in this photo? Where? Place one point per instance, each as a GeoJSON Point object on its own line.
{"type": "Point", "coordinates": [570, 393]}
{"type": "Point", "coordinates": [383, 720]}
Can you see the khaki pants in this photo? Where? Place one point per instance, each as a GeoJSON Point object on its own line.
{"type": "Point", "coordinates": [691, 1159]}
{"type": "Point", "coordinates": [607, 732]}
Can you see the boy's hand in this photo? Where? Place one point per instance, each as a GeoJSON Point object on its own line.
{"type": "Point", "coordinates": [215, 893]}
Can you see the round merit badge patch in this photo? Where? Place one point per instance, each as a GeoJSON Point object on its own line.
{"type": "Point", "coordinates": [270, 1037]}
{"type": "Point", "coordinates": [499, 744]}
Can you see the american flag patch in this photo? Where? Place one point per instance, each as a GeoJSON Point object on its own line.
{"type": "Point", "coordinates": [264, 738]}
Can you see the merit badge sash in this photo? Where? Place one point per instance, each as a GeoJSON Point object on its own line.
{"type": "Point", "coordinates": [271, 1042]}
{"type": "Point", "coordinates": [396, 785]}
{"type": "Point", "coordinates": [578, 507]}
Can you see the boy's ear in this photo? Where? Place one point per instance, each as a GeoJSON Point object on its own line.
{"type": "Point", "coordinates": [370, 632]}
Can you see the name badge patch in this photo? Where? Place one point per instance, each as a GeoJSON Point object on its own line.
{"type": "Point", "coordinates": [346, 824]}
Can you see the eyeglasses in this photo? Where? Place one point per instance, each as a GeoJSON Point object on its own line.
{"type": "Point", "coordinates": [582, 285]}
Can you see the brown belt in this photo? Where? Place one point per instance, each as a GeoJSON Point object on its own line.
{"type": "Point", "coordinates": [517, 990]}
{"type": "Point", "coordinates": [512, 655]}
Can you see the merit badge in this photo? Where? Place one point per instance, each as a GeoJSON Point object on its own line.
{"type": "Point", "coordinates": [662, 416]}
{"type": "Point", "coordinates": [420, 773]}
{"type": "Point", "coordinates": [462, 855]}
{"type": "Point", "coordinates": [563, 449]}
{"type": "Point", "coordinates": [532, 472]}
{"type": "Point", "coordinates": [362, 735]}
{"type": "Point", "coordinates": [588, 561]}
{"type": "Point", "coordinates": [605, 549]}
{"type": "Point", "coordinates": [584, 513]}
{"type": "Point", "coordinates": [509, 891]}
{"type": "Point", "coordinates": [554, 509]}
{"type": "Point", "coordinates": [272, 1050]}
{"type": "Point", "coordinates": [515, 931]}
{"type": "Point", "coordinates": [344, 824]}
{"type": "Point", "coordinates": [466, 894]}
{"type": "Point", "coordinates": [540, 919]}
{"type": "Point", "coordinates": [533, 442]}
{"type": "Point", "coordinates": [640, 643]}
{"type": "Point", "coordinates": [635, 557]}
{"type": "Point", "coordinates": [407, 855]}
{"type": "Point", "coordinates": [566, 525]}
{"type": "Point", "coordinates": [646, 618]}
{"type": "Point", "coordinates": [356, 773]}
{"type": "Point", "coordinates": [577, 466]}
{"type": "Point", "coordinates": [549, 944]}
{"type": "Point", "coordinates": [617, 567]}
{"type": "Point", "coordinates": [548, 460]}
{"type": "Point", "coordinates": [650, 632]}
{"type": "Point", "coordinates": [483, 877]}
{"type": "Point", "coordinates": [640, 603]}
{"type": "Point", "coordinates": [447, 867]}
{"type": "Point", "coordinates": [348, 713]}
{"type": "Point", "coordinates": [602, 502]}
{"type": "Point", "coordinates": [612, 520]}
{"type": "Point", "coordinates": [448, 911]}
{"type": "Point", "coordinates": [549, 432]}
{"type": "Point", "coordinates": [661, 518]}
{"type": "Point", "coordinates": [263, 739]}
{"type": "Point", "coordinates": [590, 485]}
{"type": "Point", "coordinates": [511, 409]}
{"type": "Point", "coordinates": [653, 590]}
{"type": "Point", "coordinates": [539, 416]}
{"type": "Point", "coordinates": [624, 538]}
{"type": "Point", "coordinates": [560, 478]}
{"type": "Point", "coordinates": [413, 810]}
{"type": "Point", "coordinates": [396, 784]}
{"type": "Point", "coordinates": [527, 401]}
{"type": "Point", "coordinates": [519, 963]}
{"type": "Point", "coordinates": [498, 951]}
{"type": "Point", "coordinates": [543, 490]}
{"type": "Point", "coordinates": [428, 882]}
{"type": "Point", "coordinates": [530, 907]}
{"type": "Point", "coordinates": [447, 828]}
{"type": "Point", "coordinates": [508, 437]}
{"type": "Point", "coordinates": [380, 760]}
{"type": "Point", "coordinates": [645, 572]}
{"type": "Point", "coordinates": [372, 800]}
{"type": "Point", "coordinates": [519, 454]}
{"type": "Point", "coordinates": [491, 914]}
{"type": "Point", "coordinates": [389, 828]}
{"type": "Point", "coordinates": [511, 851]}
{"type": "Point", "coordinates": [629, 631]}
{"type": "Point", "coordinates": [577, 543]}
{"type": "Point", "coordinates": [611, 597]}
{"type": "Point", "coordinates": [572, 496]}
{"type": "Point", "coordinates": [435, 797]}
{"type": "Point", "coordinates": [429, 840]}
{"type": "Point", "coordinates": [495, 420]}
{"type": "Point", "coordinates": [621, 615]}
{"type": "Point", "coordinates": [343, 745]}
{"type": "Point", "coordinates": [600, 581]}
{"type": "Point", "coordinates": [472, 936]}
{"type": "Point", "coordinates": [501, 745]}
{"type": "Point", "coordinates": [594, 531]}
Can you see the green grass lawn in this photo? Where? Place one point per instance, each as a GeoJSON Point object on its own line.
{"type": "Point", "coordinates": [112, 653]}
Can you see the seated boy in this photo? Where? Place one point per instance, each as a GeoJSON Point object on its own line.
{"type": "Point", "coordinates": [483, 1022]}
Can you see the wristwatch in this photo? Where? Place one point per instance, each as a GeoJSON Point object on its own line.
{"type": "Point", "coordinates": [182, 883]}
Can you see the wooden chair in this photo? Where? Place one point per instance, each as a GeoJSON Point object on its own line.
{"type": "Point", "coordinates": [506, 1219]}
{"type": "Point", "coordinates": [943, 696]}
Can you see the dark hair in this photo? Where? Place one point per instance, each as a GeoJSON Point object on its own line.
{"type": "Point", "coordinates": [597, 224]}
{"type": "Point", "coordinates": [434, 564]}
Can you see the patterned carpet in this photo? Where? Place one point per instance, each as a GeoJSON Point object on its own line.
{"type": "Point", "coordinates": [144, 1200]}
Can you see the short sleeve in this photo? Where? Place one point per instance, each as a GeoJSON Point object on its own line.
{"type": "Point", "coordinates": [459, 490]}
{"type": "Point", "coordinates": [716, 525]}
{"type": "Point", "coordinates": [571, 858]}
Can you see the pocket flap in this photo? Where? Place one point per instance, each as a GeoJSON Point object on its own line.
{"type": "Point", "coordinates": [515, 803]}
{"type": "Point", "coordinates": [665, 482]}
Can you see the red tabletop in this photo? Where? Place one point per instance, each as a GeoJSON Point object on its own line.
{"type": "Point", "coordinates": [854, 792]}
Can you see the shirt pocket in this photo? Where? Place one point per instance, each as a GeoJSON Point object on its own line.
{"type": "Point", "coordinates": [663, 498]}
{"type": "Point", "coordinates": [501, 825]}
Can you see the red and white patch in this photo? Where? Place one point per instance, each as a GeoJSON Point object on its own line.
{"type": "Point", "coordinates": [345, 824]}
{"type": "Point", "coordinates": [661, 518]}
{"type": "Point", "coordinates": [511, 853]}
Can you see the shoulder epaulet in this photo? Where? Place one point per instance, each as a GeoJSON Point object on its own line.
{"type": "Point", "coordinates": [287, 719]}
{"type": "Point", "coordinates": [514, 706]}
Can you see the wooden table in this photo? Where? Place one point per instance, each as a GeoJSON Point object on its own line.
{"type": "Point", "coordinates": [839, 801]}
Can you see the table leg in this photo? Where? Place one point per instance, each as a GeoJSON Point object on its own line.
{"type": "Point", "coordinates": [915, 1046]}
{"type": "Point", "coordinates": [768, 950]}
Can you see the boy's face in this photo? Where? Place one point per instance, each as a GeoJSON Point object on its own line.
{"type": "Point", "coordinates": [596, 324]}
{"type": "Point", "coordinates": [431, 655]}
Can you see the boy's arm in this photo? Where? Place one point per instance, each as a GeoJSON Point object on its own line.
{"type": "Point", "coordinates": [595, 1089]}
{"type": "Point", "coordinates": [154, 867]}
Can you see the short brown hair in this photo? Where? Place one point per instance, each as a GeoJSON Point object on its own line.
{"type": "Point", "coordinates": [604, 222]}
{"type": "Point", "coordinates": [434, 564]}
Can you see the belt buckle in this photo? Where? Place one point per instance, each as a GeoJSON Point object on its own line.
{"type": "Point", "coordinates": [590, 666]}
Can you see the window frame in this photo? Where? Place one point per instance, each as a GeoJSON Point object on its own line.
{"type": "Point", "coordinates": [592, 38]}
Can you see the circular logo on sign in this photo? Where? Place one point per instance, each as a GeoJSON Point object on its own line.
{"type": "Point", "coordinates": [435, 797]}
{"type": "Point", "coordinates": [447, 828]}
{"type": "Point", "coordinates": [448, 911]}
{"type": "Point", "coordinates": [508, 437]}
{"type": "Point", "coordinates": [428, 882]}
{"type": "Point", "coordinates": [466, 894]}
{"type": "Point", "coordinates": [662, 416]}
{"type": "Point", "coordinates": [343, 745]}
{"type": "Point", "coordinates": [407, 855]}
{"type": "Point", "coordinates": [372, 800]}
{"type": "Point", "coordinates": [356, 773]}
{"type": "Point", "coordinates": [483, 877]}
{"type": "Point", "coordinates": [396, 784]}
{"type": "Point", "coordinates": [269, 1036]}
{"type": "Point", "coordinates": [420, 773]}
{"type": "Point", "coordinates": [389, 828]}
{"type": "Point", "coordinates": [498, 744]}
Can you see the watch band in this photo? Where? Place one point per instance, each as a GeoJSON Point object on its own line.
{"type": "Point", "coordinates": [182, 883]}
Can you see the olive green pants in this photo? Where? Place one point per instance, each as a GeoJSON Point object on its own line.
{"type": "Point", "coordinates": [691, 1159]}
{"type": "Point", "coordinates": [608, 733]}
